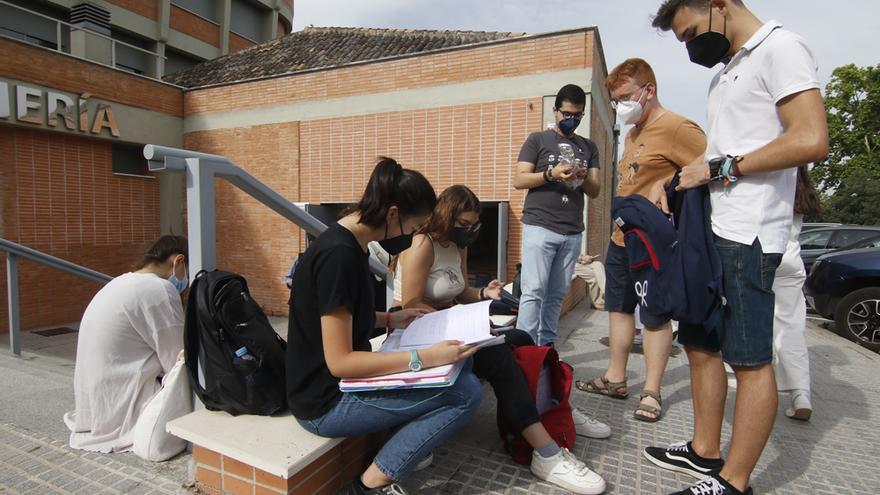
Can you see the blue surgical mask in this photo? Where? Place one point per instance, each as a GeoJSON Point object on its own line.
{"type": "Point", "coordinates": [567, 126]}
{"type": "Point", "coordinates": [179, 283]}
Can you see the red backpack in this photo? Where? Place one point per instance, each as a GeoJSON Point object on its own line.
{"type": "Point", "coordinates": [557, 420]}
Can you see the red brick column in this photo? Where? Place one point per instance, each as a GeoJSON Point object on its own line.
{"type": "Point", "coordinates": [217, 474]}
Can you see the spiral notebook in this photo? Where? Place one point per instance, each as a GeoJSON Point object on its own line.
{"type": "Point", "coordinates": [468, 323]}
{"type": "Point", "coordinates": [440, 376]}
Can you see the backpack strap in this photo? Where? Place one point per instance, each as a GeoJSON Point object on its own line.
{"type": "Point", "coordinates": [191, 338]}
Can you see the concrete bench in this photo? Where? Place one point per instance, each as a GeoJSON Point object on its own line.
{"type": "Point", "coordinates": [263, 455]}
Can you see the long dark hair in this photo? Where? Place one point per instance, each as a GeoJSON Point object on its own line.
{"type": "Point", "coordinates": [391, 184]}
{"type": "Point", "coordinates": [165, 247]}
{"type": "Point", "coordinates": [806, 198]}
{"type": "Point", "coordinates": [452, 202]}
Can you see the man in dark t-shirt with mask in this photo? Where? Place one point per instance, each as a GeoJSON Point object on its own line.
{"type": "Point", "coordinates": [557, 167]}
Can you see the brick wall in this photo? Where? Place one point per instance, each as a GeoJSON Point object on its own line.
{"type": "Point", "coordinates": [238, 42]}
{"type": "Point", "coordinates": [252, 239]}
{"type": "Point", "coordinates": [533, 56]}
{"type": "Point", "coordinates": [39, 66]}
{"type": "Point", "coordinates": [217, 474]}
{"type": "Point", "coordinates": [199, 28]}
{"type": "Point", "coordinates": [147, 9]}
{"type": "Point", "coordinates": [61, 197]}
{"type": "Point", "coordinates": [280, 30]}
{"type": "Point", "coordinates": [476, 145]}
{"type": "Point", "coordinates": [599, 215]}
{"type": "Point", "coordinates": [58, 191]}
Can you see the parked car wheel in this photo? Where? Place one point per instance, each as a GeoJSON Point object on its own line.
{"type": "Point", "coordinates": [858, 318]}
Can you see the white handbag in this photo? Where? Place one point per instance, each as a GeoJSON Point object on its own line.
{"type": "Point", "coordinates": [151, 441]}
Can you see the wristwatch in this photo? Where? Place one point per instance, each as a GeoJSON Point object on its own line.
{"type": "Point", "coordinates": [415, 364]}
{"type": "Point", "coordinates": [725, 169]}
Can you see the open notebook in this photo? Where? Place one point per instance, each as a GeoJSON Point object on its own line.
{"type": "Point", "coordinates": [468, 323]}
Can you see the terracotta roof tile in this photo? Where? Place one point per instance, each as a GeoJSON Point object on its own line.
{"type": "Point", "coordinates": [323, 47]}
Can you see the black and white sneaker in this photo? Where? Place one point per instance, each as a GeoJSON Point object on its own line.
{"type": "Point", "coordinates": [356, 488]}
{"type": "Point", "coordinates": [680, 457]}
{"type": "Point", "coordinates": [713, 485]}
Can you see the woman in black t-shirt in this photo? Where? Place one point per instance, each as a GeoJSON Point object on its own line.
{"type": "Point", "coordinates": [332, 319]}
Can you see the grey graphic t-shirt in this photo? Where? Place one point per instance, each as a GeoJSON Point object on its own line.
{"type": "Point", "coordinates": [555, 206]}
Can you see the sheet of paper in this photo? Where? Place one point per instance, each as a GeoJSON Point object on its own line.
{"type": "Point", "coordinates": [468, 323]}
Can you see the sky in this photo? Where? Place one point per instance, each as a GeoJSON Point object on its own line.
{"type": "Point", "coordinates": [838, 31]}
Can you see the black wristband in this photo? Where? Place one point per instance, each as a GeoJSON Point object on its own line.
{"type": "Point", "coordinates": [482, 294]}
{"type": "Point", "coordinates": [715, 168]}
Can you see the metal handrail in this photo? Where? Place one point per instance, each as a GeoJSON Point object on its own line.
{"type": "Point", "coordinates": [13, 252]}
{"type": "Point", "coordinates": [200, 169]}
{"type": "Point", "coordinates": [72, 27]}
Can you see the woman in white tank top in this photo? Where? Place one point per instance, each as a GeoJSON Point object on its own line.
{"type": "Point", "coordinates": [436, 264]}
{"type": "Point", "coordinates": [432, 274]}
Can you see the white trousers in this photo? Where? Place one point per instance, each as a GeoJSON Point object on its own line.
{"type": "Point", "coordinates": [791, 362]}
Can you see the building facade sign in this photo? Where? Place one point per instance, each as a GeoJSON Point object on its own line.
{"type": "Point", "coordinates": [77, 113]}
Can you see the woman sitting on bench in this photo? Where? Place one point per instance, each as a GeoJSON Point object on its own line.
{"type": "Point", "coordinates": [332, 318]}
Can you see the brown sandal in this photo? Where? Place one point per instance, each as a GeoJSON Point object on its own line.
{"type": "Point", "coordinates": [656, 411]}
{"type": "Point", "coordinates": [608, 388]}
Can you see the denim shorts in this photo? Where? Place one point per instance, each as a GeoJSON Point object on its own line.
{"type": "Point", "coordinates": [745, 337]}
{"type": "Point", "coordinates": [620, 293]}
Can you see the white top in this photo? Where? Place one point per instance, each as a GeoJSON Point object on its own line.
{"type": "Point", "coordinates": [773, 64]}
{"type": "Point", "coordinates": [445, 279]}
{"type": "Point", "coordinates": [130, 335]}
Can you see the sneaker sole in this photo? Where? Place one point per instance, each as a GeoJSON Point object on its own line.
{"type": "Point", "coordinates": [597, 437]}
{"type": "Point", "coordinates": [802, 414]}
{"type": "Point", "coordinates": [597, 490]}
{"type": "Point", "coordinates": [678, 469]}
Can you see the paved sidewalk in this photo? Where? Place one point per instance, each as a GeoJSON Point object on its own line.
{"type": "Point", "coordinates": [836, 452]}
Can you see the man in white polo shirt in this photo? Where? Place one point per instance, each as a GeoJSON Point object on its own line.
{"type": "Point", "coordinates": [766, 117]}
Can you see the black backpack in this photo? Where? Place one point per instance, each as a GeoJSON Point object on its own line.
{"type": "Point", "coordinates": [222, 318]}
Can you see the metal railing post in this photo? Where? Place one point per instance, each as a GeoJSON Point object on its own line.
{"type": "Point", "coordinates": [201, 217]}
{"type": "Point", "coordinates": [58, 37]}
{"type": "Point", "coordinates": [14, 319]}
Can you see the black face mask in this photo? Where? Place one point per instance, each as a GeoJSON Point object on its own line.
{"type": "Point", "coordinates": [397, 244]}
{"type": "Point", "coordinates": [464, 236]}
{"type": "Point", "coordinates": [710, 47]}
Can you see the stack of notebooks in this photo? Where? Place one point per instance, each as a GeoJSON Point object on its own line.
{"type": "Point", "coordinates": [468, 323]}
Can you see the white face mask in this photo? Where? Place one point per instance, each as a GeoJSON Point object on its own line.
{"type": "Point", "coordinates": [630, 112]}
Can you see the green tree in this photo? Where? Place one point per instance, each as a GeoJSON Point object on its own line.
{"type": "Point", "coordinates": [856, 200]}
{"type": "Point", "coordinates": [852, 100]}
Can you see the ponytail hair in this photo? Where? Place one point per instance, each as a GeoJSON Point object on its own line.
{"type": "Point", "coordinates": [391, 184]}
{"type": "Point", "coordinates": [806, 198]}
{"type": "Point", "coordinates": [164, 248]}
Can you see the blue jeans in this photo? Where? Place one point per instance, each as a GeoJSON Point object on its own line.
{"type": "Point", "coordinates": [746, 334]}
{"type": "Point", "coordinates": [548, 262]}
{"type": "Point", "coordinates": [423, 418]}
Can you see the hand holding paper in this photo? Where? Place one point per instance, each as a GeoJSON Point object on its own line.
{"type": "Point", "coordinates": [468, 323]}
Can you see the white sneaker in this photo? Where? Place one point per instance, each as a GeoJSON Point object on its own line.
{"type": "Point", "coordinates": [566, 471]}
{"type": "Point", "coordinates": [424, 463]}
{"type": "Point", "coordinates": [800, 409]}
{"type": "Point", "coordinates": [586, 426]}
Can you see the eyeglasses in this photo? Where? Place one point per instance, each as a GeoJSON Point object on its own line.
{"type": "Point", "coordinates": [470, 227]}
{"type": "Point", "coordinates": [628, 97]}
{"type": "Point", "coordinates": [571, 115]}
